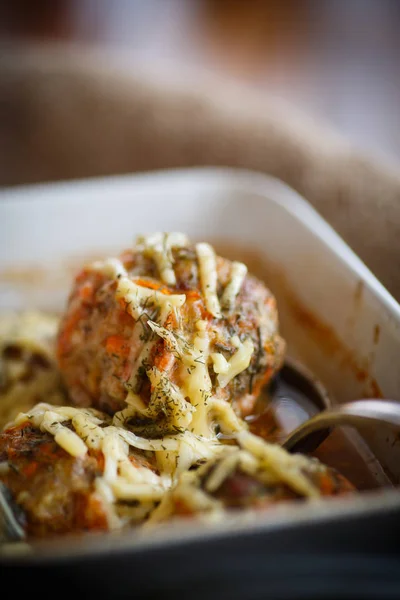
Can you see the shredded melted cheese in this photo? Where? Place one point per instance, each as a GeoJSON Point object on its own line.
{"type": "Point", "coordinates": [188, 415]}
{"type": "Point", "coordinates": [267, 463]}
{"type": "Point", "coordinates": [208, 277]}
{"type": "Point", "coordinates": [136, 296]}
{"type": "Point", "coordinates": [111, 267]}
{"type": "Point", "coordinates": [159, 246]}
{"type": "Point", "coordinates": [121, 480]}
{"type": "Point", "coordinates": [30, 335]}
{"type": "Point", "coordinates": [287, 467]}
{"type": "Point", "coordinates": [238, 274]}
{"type": "Point", "coordinates": [236, 364]}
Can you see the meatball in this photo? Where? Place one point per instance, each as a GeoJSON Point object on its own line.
{"type": "Point", "coordinates": [28, 366]}
{"type": "Point", "coordinates": [238, 480]}
{"type": "Point", "coordinates": [241, 490]}
{"type": "Point", "coordinates": [52, 491]}
{"type": "Point", "coordinates": [168, 308]}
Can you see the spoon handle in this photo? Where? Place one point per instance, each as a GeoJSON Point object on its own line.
{"type": "Point", "coordinates": [10, 528]}
{"type": "Point", "coordinates": [358, 414]}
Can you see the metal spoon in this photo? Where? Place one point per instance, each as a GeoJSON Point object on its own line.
{"type": "Point", "coordinates": [358, 414]}
{"type": "Point", "coordinates": [10, 527]}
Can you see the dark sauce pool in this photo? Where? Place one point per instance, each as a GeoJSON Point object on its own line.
{"type": "Point", "coordinates": [286, 403]}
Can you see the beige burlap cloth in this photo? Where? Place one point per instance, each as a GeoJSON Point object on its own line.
{"type": "Point", "coordinates": [72, 113]}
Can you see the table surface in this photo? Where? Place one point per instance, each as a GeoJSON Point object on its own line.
{"type": "Point", "coordinates": [335, 59]}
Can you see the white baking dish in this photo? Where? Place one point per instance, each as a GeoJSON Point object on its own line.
{"type": "Point", "coordinates": [336, 317]}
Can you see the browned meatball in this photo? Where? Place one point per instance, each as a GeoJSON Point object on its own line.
{"type": "Point", "coordinates": [54, 493]}
{"type": "Point", "coordinates": [241, 489]}
{"type": "Point", "coordinates": [106, 348]}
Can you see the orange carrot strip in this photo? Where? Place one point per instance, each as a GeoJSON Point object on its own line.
{"type": "Point", "coordinates": [192, 294]}
{"type": "Point", "coordinates": [117, 344]}
{"type": "Point", "coordinates": [152, 285]}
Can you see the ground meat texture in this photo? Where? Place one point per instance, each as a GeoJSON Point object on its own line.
{"type": "Point", "coordinates": [241, 490]}
{"type": "Point", "coordinates": [53, 491]}
{"type": "Point", "coordinates": [99, 342]}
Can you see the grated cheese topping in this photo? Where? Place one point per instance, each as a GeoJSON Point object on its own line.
{"type": "Point", "coordinates": [32, 334]}
{"type": "Point", "coordinates": [232, 289]}
{"type": "Point", "coordinates": [187, 416]}
{"type": "Point", "coordinates": [136, 296]}
{"type": "Point", "coordinates": [121, 480]}
{"type": "Point", "coordinates": [236, 364]}
{"type": "Point", "coordinates": [287, 467]}
{"type": "Point", "coordinates": [159, 246]}
{"type": "Point", "coordinates": [111, 267]}
{"type": "Point", "coordinates": [208, 277]}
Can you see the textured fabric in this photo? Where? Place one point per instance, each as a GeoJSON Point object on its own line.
{"type": "Point", "coordinates": [72, 113]}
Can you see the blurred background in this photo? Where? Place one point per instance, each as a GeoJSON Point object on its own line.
{"type": "Point", "coordinates": [335, 59]}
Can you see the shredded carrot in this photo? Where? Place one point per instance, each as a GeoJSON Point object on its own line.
{"type": "Point", "coordinates": [192, 295]}
{"type": "Point", "coordinates": [171, 321]}
{"type": "Point", "coordinates": [164, 360]}
{"type": "Point", "coordinates": [117, 344]}
{"type": "Point", "coordinates": [152, 285]}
